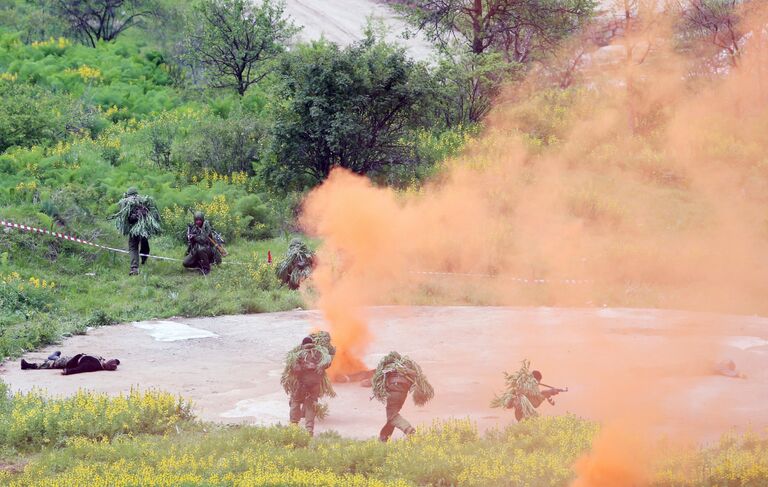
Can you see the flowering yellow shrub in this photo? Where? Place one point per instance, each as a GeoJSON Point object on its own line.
{"type": "Point", "coordinates": [86, 73]}
{"type": "Point", "coordinates": [210, 176]}
{"type": "Point", "coordinates": [189, 471]}
{"type": "Point", "coordinates": [61, 43]}
{"type": "Point", "coordinates": [539, 452]}
{"type": "Point", "coordinates": [262, 273]}
{"type": "Point", "coordinates": [735, 460]}
{"type": "Point", "coordinates": [8, 76]}
{"type": "Point", "coordinates": [26, 186]}
{"type": "Point", "coordinates": [218, 212]}
{"type": "Point", "coordinates": [34, 419]}
{"type": "Point", "coordinates": [15, 280]}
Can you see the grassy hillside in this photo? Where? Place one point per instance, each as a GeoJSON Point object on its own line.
{"type": "Point", "coordinates": [88, 124]}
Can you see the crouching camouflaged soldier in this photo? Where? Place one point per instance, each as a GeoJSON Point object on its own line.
{"type": "Point", "coordinates": [309, 373]}
{"type": "Point", "coordinates": [533, 395]}
{"type": "Point", "coordinates": [200, 250]}
{"type": "Point", "coordinates": [78, 364]}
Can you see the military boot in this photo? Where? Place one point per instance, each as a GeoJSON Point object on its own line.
{"type": "Point", "coordinates": [27, 366]}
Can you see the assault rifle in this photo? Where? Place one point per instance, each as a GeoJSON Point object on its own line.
{"type": "Point", "coordinates": [552, 391]}
{"type": "Point", "coordinates": [216, 239]}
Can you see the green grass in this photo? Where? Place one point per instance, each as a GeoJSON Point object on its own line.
{"type": "Point", "coordinates": [92, 288]}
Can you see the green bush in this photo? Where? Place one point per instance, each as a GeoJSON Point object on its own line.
{"type": "Point", "coordinates": [224, 145]}
{"type": "Point", "coordinates": [30, 420]}
{"type": "Point", "coordinates": [31, 115]}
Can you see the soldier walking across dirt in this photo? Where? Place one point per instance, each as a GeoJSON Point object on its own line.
{"type": "Point", "coordinates": [398, 387]}
{"type": "Point", "coordinates": [395, 377]}
{"type": "Point", "coordinates": [309, 371]}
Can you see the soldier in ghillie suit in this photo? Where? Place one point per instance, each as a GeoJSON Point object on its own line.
{"type": "Point", "coordinates": [523, 393]}
{"type": "Point", "coordinates": [78, 364]}
{"type": "Point", "coordinates": [297, 265]}
{"type": "Point", "coordinates": [395, 377]}
{"type": "Point", "coordinates": [305, 381]}
{"type": "Point", "coordinates": [201, 251]}
{"type": "Point", "coordinates": [139, 219]}
{"type": "Point", "coordinates": [323, 339]}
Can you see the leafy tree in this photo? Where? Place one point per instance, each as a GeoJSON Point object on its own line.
{"type": "Point", "coordinates": [34, 20]}
{"type": "Point", "coordinates": [351, 107]}
{"type": "Point", "coordinates": [716, 21]}
{"type": "Point", "coordinates": [517, 28]}
{"type": "Point", "coordinates": [485, 42]}
{"type": "Point", "coordinates": [97, 20]}
{"type": "Point", "coordinates": [237, 40]}
{"type": "Point", "coordinates": [467, 83]}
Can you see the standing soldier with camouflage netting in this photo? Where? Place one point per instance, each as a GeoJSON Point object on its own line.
{"type": "Point", "coordinates": [305, 381]}
{"type": "Point", "coordinates": [139, 219]}
{"type": "Point", "coordinates": [523, 393]}
{"type": "Point", "coordinates": [395, 376]}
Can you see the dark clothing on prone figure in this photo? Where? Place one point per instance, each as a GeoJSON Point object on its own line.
{"type": "Point", "coordinates": [78, 364]}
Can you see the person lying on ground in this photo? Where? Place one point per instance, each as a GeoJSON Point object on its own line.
{"type": "Point", "coordinates": [73, 365]}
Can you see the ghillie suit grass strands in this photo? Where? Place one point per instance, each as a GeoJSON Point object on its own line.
{"type": "Point", "coordinates": [137, 216]}
{"type": "Point", "coordinates": [520, 387]}
{"type": "Point", "coordinates": [297, 265]}
{"type": "Point", "coordinates": [321, 411]}
{"type": "Point", "coordinates": [290, 381]}
{"type": "Point", "coordinates": [422, 390]}
{"type": "Point", "coordinates": [323, 338]}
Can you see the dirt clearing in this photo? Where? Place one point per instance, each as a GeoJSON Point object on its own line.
{"type": "Point", "coordinates": [230, 366]}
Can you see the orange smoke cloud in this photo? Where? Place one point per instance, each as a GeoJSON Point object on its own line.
{"type": "Point", "coordinates": [653, 194]}
{"type": "Point", "coordinates": [618, 459]}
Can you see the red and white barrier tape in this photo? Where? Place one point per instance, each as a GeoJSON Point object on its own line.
{"type": "Point", "coordinates": [72, 238]}
{"type": "Point", "coordinates": [521, 280]}
{"type": "Point", "coordinates": [75, 239]}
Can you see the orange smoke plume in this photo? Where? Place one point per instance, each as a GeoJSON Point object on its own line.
{"type": "Point", "coordinates": [652, 193]}
{"type": "Point", "coordinates": [618, 459]}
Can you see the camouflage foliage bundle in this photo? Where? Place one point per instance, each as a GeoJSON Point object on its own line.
{"type": "Point", "coordinates": [520, 386]}
{"type": "Point", "coordinates": [141, 208]}
{"type": "Point", "coordinates": [394, 362]}
{"type": "Point", "coordinates": [297, 265]}
{"type": "Point", "coordinates": [323, 338]}
{"type": "Point", "coordinates": [290, 381]}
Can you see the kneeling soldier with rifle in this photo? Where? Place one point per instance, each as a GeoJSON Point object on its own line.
{"type": "Point", "coordinates": [202, 245]}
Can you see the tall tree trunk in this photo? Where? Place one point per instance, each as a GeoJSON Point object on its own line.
{"type": "Point", "coordinates": [477, 27]}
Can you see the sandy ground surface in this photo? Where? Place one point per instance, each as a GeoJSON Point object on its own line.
{"type": "Point", "coordinates": [343, 22]}
{"type": "Point", "coordinates": [230, 366]}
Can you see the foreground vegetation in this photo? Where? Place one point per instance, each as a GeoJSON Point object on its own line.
{"type": "Point", "coordinates": [150, 438]}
